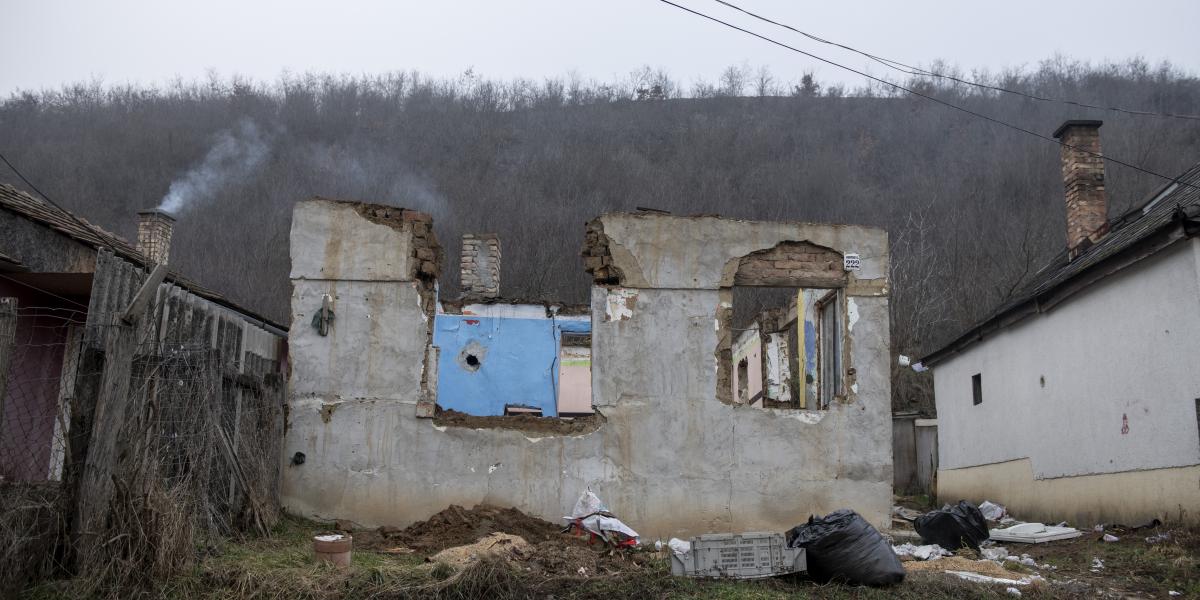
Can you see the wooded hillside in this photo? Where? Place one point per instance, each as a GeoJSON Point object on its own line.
{"type": "Point", "coordinates": [972, 207]}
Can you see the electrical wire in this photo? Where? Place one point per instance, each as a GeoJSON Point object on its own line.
{"type": "Point", "coordinates": [913, 70]}
{"type": "Point", "coordinates": [56, 205]}
{"type": "Point", "coordinates": [932, 98]}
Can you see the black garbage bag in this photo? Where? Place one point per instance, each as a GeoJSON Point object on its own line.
{"type": "Point", "coordinates": [953, 527]}
{"type": "Point", "coordinates": [842, 546]}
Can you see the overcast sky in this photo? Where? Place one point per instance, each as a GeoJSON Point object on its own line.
{"type": "Point", "coordinates": [45, 43]}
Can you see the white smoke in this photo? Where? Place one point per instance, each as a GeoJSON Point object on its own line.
{"type": "Point", "coordinates": [235, 155]}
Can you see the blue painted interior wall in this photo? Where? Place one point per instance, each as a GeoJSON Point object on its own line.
{"type": "Point", "coordinates": [519, 364]}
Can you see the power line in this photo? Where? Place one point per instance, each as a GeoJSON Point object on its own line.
{"type": "Point", "coordinates": [931, 98]}
{"type": "Point", "coordinates": [56, 205]}
{"type": "Point", "coordinates": [912, 70]}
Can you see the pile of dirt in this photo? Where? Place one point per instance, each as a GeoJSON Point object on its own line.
{"type": "Point", "coordinates": [457, 526]}
{"type": "Point", "coordinates": [575, 557]}
{"type": "Point", "coordinates": [526, 423]}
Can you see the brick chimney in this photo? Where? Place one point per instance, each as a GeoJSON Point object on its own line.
{"type": "Point", "coordinates": [1083, 178]}
{"type": "Point", "coordinates": [480, 266]}
{"type": "Point", "coordinates": [154, 234]}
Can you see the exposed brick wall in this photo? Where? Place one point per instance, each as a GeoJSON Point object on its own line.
{"type": "Point", "coordinates": [1083, 180]}
{"type": "Point", "coordinates": [792, 264]}
{"type": "Point", "coordinates": [154, 235]}
{"type": "Point", "coordinates": [480, 264]}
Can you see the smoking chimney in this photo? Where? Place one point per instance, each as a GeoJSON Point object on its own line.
{"type": "Point", "coordinates": [480, 266]}
{"type": "Point", "coordinates": [1083, 178]}
{"type": "Point", "coordinates": [154, 234]}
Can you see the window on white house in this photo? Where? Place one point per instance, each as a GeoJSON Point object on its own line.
{"type": "Point", "coordinates": [977, 387]}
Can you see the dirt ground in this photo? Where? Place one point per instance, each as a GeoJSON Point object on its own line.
{"type": "Point", "coordinates": [395, 563]}
{"type": "Point", "coordinates": [549, 550]}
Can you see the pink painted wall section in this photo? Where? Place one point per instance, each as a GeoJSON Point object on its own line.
{"type": "Point", "coordinates": [749, 348]}
{"type": "Point", "coordinates": [575, 381]}
{"type": "Point", "coordinates": [31, 406]}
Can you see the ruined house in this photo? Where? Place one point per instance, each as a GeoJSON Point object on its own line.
{"type": "Point", "coordinates": [1080, 398]}
{"type": "Point", "coordinates": [93, 330]}
{"type": "Point", "coordinates": [670, 446]}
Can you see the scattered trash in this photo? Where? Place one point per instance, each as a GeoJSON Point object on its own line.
{"type": "Point", "coordinates": [1158, 538]}
{"type": "Point", "coordinates": [904, 361]}
{"type": "Point", "coordinates": [1062, 524]}
{"type": "Point", "coordinates": [590, 515]}
{"type": "Point", "coordinates": [844, 546]}
{"type": "Point", "coordinates": [953, 527]}
{"type": "Point", "coordinates": [582, 571]}
{"type": "Point", "coordinates": [919, 367]}
{"type": "Point", "coordinates": [335, 548]}
{"type": "Point", "coordinates": [1012, 591]}
{"type": "Point", "coordinates": [1097, 565]}
{"type": "Point", "coordinates": [1108, 537]}
{"type": "Point", "coordinates": [907, 514]}
{"type": "Point", "coordinates": [992, 511]}
{"type": "Point", "coordinates": [995, 553]}
{"type": "Point", "coordinates": [977, 578]}
{"type": "Point", "coordinates": [738, 555]}
{"type": "Point", "coordinates": [679, 546]}
{"type": "Point", "coordinates": [1098, 528]}
{"type": "Point", "coordinates": [1174, 593]}
{"type": "Point", "coordinates": [926, 552]}
{"type": "Point", "coordinates": [1025, 559]}
{"type": "Point", "coordinates": [1034, 533]}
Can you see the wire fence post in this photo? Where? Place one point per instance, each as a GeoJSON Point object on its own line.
{"type": "Point", "coordinates": [8, 341]}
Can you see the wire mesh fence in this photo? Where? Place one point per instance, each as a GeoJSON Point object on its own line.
{"type": "Point", "coordinates": [195, 450]}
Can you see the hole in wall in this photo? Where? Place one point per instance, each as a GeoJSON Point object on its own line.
{"type": "Point", "coordinates": [472, 356]}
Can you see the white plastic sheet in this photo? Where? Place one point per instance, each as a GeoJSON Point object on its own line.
{"type": "Point", "coordinates": [926, 552]}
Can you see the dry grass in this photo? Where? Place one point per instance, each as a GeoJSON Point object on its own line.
{"type": "Point", "coordinates": [31, 527]}
{"type": "Point", "coordinates": [282, 568]}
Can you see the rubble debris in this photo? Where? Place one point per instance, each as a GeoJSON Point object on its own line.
{"type": "Point", "coordinates": [1108, 537]}
{"type": "Point", "coordinates": [953, 527]}
{"type": "Point", "coordinates": [962, 564]}
{"type": "Point", "coordinates": [526, 423]}
{"type": "Point", "coordinates": [1034, 533]}
{"type": "Point", "coordinates": [907, 514]}
{"type": "Point", "coordinates": [977, 578]}
{"type": "Point", "coordinates": [496, 544]}
{"type": "Point", "coordinates": [1012, 591]}
{"type": "Point", "coordinates": [994, 553]}
{"type": "Point", "coordinates": [844, 546]}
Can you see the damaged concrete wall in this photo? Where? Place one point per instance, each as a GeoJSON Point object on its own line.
{"type": "Point", "coordinates": [668, 455]}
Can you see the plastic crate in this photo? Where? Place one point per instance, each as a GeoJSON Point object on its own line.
{"type": "Point", "coordinates": [739, 556]}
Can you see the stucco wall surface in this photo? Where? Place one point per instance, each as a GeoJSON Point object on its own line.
{"type": "Point", "coordinates": [1105, 382]}
{"type": "Point", "coordinates": [336, 242]}
{"type": "Point", "coordinates": [661, 251]}
{"type": "Point", "coordinates": [1127, 497]}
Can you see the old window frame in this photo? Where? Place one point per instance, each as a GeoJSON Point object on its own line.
{"type": "Point", "coordinates": [830, 343]}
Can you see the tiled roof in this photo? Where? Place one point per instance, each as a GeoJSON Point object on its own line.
{"type": "Point", "coordinates": [79, 229]}
{"type": "Point", "coordinates": [1181, 197]}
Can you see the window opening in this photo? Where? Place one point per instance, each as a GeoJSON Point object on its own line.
{"type": "Point", "coordinates": [977, 388]}
{"type": "Point", "coordinates": [830, 353]}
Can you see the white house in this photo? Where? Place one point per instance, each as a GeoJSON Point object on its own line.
{"type": "Point", "coordinates": [1080, 399]}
